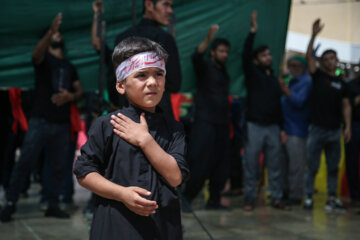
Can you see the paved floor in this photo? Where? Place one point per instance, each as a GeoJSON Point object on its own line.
{"type": "Point", "coordinates": [263, 223]}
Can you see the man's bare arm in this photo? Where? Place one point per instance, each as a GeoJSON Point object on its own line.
{"type": "Point", "coordinates": [316, 29]}
{"type": "Point", "coordinates": [42, 46]}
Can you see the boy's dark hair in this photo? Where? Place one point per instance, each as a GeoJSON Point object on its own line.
{"type": "Point", "coordinates": [259, 50]}
{"type": "Point", "coordinates": [219, 41]}
{"type": "Point", "coordinates": [327, 52]}
{"type": "Point", "coordinates": [134, 45]}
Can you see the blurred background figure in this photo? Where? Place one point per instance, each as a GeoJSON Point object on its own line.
{"type": "Point", "coordinates": [208, 155]}
{"type": "Point", "coordinates": [57, 85]}
{"type": "Point", "coordinates": [296, 109]}
{"type": "Point", "coordinates": [329, 104]}
{"type": "Point", "coordinates": [264, 121]}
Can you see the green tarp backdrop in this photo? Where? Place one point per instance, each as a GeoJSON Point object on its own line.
{"type": "Point", "coordinates": [21, 22]}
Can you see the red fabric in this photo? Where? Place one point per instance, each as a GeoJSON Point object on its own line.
{"type": "Point", "coordinates": [75, 121]}
{"type": "Point", "coordinates": [17, 111]}
{"type": "Point", "coordinates": [176, 99]}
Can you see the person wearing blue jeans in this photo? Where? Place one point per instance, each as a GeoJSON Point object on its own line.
{"type": "Point", "coordinates": [329, 104]}
{"type": "Point", "coordinates": [56, 85]}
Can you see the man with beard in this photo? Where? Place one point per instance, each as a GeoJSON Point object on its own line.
{"type": "Point", "coordinates": [263, 121]}
{"type": "Point", "coordinates": [209, 139]}
{"type": "Point", "coordinates": [330, 105]}
{"type": "Point", "coordinates": [156, 14]}
{"type": "Point", "coordinates": [56, 86]}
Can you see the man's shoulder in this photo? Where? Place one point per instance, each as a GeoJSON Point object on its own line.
{"type": "Point", "coordinates": [152, 32]}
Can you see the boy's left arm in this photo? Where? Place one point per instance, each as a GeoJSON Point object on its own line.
{"type": "Point", "coordinates": [138, 135]}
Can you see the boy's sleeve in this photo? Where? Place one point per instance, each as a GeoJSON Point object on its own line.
{"type": "Point", "coordinates": [92, 153]}
{"type": "Point", "coordinates": [177, 149]}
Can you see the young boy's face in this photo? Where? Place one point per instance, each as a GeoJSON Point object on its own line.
{"type": "Point", "coordinates": [144, 88]}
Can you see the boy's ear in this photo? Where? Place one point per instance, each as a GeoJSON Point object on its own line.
{"type": "Point", "coordinates": [120, 87]}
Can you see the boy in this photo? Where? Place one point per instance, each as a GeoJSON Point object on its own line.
{"type": "Point", "coordinates": [134, 158]}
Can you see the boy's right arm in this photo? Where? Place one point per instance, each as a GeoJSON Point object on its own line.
{"type": "Point", "coordinates": [129, 196]}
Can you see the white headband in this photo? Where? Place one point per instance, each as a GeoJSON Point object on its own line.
{"type": "Point", "coordinates": [137, 62]}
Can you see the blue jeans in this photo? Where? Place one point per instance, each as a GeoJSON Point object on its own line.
{"type": "Point", "coordinates": [67, 187]}
{"type": "Point", "coordinates": [328, 140]}
{"type": "Point", "coordinates": [41, 132]}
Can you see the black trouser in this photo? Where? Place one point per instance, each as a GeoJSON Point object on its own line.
{"type": "Point", "coordinates": [208, 158]}
{"type": "Point", "coordinates": [41, 133]}
{"type": "Point", "coordinates": [352, 150]}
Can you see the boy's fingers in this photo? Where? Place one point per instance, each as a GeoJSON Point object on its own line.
{"type": "Point", "coordinates": [143, 119]}
{"type": "Point", "coordinates": [142, 191]}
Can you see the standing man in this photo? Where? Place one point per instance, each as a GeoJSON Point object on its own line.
{"type": "Point", "coordinates": [329, 104]}
{"type": "Point", "coordinates": [352, 148]}
{"type": "Point", "coordinates": [209, 139]}
{"type": "Point", "coordinates": [264, 119]}
{"type": "Point", "coordinates": [296, 109]}
{"type": "Point", "coordinates": [157, 13]}
{"type": "Point", "coordinates": [56, 86]}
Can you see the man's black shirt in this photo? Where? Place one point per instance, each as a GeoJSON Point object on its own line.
{"type": "Point", "coordinates": [150, 29]}
{"type": "Point", "coordinates": [50, 75]}
{"type": "Point", "coordinates": [263, 91]}
{"type": "Point", "coordinates": [326, 104]}
{"type": "Point", "coordinates": [211, 99]}
{"type": "Point", "coordinates": [354, 90]}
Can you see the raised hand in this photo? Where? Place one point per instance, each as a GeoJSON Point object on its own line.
{"type": "Point", "coordinates": [317, 27]}
{"type": "Point", "coordinates": [135, 202]}
{"type": "Point", "coordinates": [98, 5]}
{"type": "Point", "coordinates": [254, 26]}
{"type": "Point", "coordinates": [129, 130]}
{"type": "Point", "coordinates": [56, 23]}
{"type": "Point", "coordinates": [212, 30]}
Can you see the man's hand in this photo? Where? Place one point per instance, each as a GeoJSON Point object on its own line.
{"type": "Point", "coordinates": [98, 5]}
{"type": "Point", "coordinates": [64, 96]}
{"type": "Point", "coordinates": [283, 137]}
{"type": "Point", "coordinates": [347, 135]}
{"type": "Point", "coordinates": [254, 26]}
{"type": "Point", "coordinates": [212, 30]}
{"type": "Point", "coordinates": [357, 100]}
{"type": "Point", "coordinates": [132, 132]}
{"type": "Point", "coordinates": [56, 23]}
{"type": "Point", "coordinates": [132, 199]}
{"type": "Point", "coordinates": [317, 27]}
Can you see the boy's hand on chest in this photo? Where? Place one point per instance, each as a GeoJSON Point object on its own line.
{"type": "Point", "coordinates": [135, 133]}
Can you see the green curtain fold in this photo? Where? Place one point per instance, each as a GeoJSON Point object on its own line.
{"type": "Point", "coordinates": [22, 21]}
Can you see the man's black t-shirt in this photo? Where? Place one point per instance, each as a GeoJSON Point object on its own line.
{"type": "Point", "coordinates": [327, 95]}
{"type": "Point", "coordinates": [50, 75]}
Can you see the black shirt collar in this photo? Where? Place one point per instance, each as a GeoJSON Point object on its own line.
{"type": "Point", "coordinates": [151, 118]}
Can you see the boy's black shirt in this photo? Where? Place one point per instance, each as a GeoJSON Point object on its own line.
{"type": "Point", "coordinates": [126, 165]}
